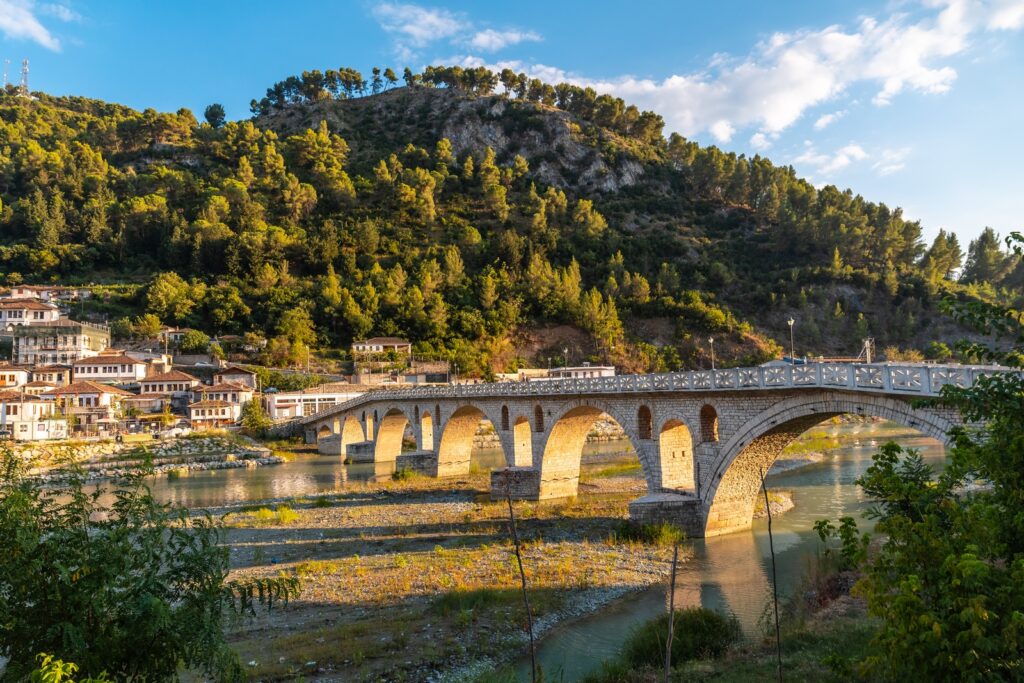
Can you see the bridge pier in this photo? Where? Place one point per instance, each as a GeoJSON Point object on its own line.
{"type": "Point", "coordinates": [523, 483]}
{"type": "Point", "coordinates": [423, 462]}
{"type": "Point", "coordinates": [681, 510]}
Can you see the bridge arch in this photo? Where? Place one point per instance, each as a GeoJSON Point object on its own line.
{"type": "Point", "coordinates": [390, 433]}
{"type": "Point", "coordinates": [351, 432]}
{"type": "Point", "coordinates": [563, 449]}
{"type": "Point", "coordinates": [676, 460]}
{"type": "Point", "coordinates": [457, 437]}
{"type": "Point", "coordinates": [728, 494]}
{"type": "Point", "coordinates": [708, 423]}
{"type": "Point", "coordinates": [324, 430]}
{"type": "Point", "coordinates": [426, 425]}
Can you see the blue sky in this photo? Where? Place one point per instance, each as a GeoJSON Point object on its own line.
{"type": "Point", "coordinates": [916, 103]}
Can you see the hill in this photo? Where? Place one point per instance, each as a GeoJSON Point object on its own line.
{"type": "Point", "coordinates": [496, 229]}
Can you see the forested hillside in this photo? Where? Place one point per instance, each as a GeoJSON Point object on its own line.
{"type": "Point", "coordinates": [485, 216]}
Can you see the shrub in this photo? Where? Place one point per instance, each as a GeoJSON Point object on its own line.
{"type": "Point", "coordinates": [661, 534]}
{"type": "Point", "coordinates": [698, 633]}
{"type": "Point", "coordinates": [404, 474]}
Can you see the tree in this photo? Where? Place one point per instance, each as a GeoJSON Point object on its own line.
{"type": "Point", "coordinates": [194, 341]}
{"type": "Point", "coordinates": [947, 581]}
{"type": "Point", "coordinates": [254, 419]}
{"type": "Point", "coordinates": [99, 585]}
{"type": "Point", "coordinates": [147, 326]}
{"type": "Point", "coordinates": [986, 261]}
{"type": "Point", "coordinates": [214, 115]}
{"type": "Point", "coordinates": [169, 297]}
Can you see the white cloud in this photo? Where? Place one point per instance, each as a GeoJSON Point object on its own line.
{"type": "Point", "coordinates": [490, 40]}
{"type": "Point", "coordinates": [760, 141]}
{"type": "Point", "coordinates": [828, 119]}
{"type": "Point", "coordinates": [891, 160]}
{"type": "Point", "coordinates": [416, 27]}
{"type": "Point", "coordinates": [827, 164]}
{"type": "Point", "coordinates": [789, 73]}
{"type": "Point", "coordinates": [18, 21]}
{"type": "Point", "coordinates": [62, 12]}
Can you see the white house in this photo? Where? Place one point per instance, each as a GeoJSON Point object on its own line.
{"type": "Point", "coordinates": [234, 374]}
{"type": "Point", "coordinates": [289, 404]}
{"type": "Point", "coordinates": [24, 417]}
{"type": "Point", "coordinates": [223, 391]}
{"type": "Point", "coordinates": [579, 372]}
{"type": "Point", "coordinates": [175, 383]}
{"type": "Point", "coordinates": [27, 312]}
{"type": "Point", "coordinates": [46, 292]}
{"type": "Point", "coordinates": [91, 403]}
{"type": "Point", "coordinates": [60, 341]}
{"type": "Point", "coordinates": [113, 367]}
{"type": "Point", "coordinates": [12, 377]}
{"type": "Point", "coordinates": [57, 375]}
{"type": "Point", "coordinates": [211, 413]}
{"type": "Point", "coordinates": [382, 345]}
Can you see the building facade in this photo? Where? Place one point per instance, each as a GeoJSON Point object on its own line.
{"type": "Point", "coordinates": [27, 312]}
{"type": "Point", "coordinates": [24, 417]}
{"type": "Point", "coordinates": [115, 367]}
{"type": "Point", "coordinates": [289, 404]}
{"type": "Point", "coordinates": [61, 341]}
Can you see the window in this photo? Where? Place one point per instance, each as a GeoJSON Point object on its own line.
{"type": "Point", "coordinates": [708, 424]}
{"type": "Point", "coordinates": [643, 420]}
{"type": "Point", "coordinates": [538, 419]}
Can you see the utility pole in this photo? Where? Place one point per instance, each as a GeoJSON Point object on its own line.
{"type": "Point", "coordinates": [711, 340]}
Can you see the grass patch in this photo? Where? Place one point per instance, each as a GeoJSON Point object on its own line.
{"type": "Point", "coordinates": [322, 502]}
{"type": "Point", "coordinates": [616, 470]}
{"type": "Point", "coordinates": [460, 601]}
{"type": "Point", "coordinates": [260, 516]}
{"type": "Point", "coordinates": [662, 534]}
{"type": "Point", "coordinates": [405, 474]}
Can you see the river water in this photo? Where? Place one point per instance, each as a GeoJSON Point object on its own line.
{"type": "Point", "coordinates": [733, 573]}
{"type": "Point", "coordinates": [730, 573]}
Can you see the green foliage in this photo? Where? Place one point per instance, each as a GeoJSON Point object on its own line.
{"type": "Point", "coordinates": [698, 633]}
{"type": "Point", "coordinates": [99, 584]}
{"type": "Point", "coordinates": [52, 670]}
{"type": "Point", "coordinates": [662, 534]}
{"type": "Point", "coordinates": [194, 341]}
{"type": "Point", "coordinates": [254, 419]}
{"type": "Point", "coordinates": [948, 579]}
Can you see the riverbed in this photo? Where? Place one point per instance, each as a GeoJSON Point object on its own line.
{"type": "Point", "coordinates": [732, 573]}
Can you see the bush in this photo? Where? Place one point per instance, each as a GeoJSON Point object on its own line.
{"type": "Point", "coordinates": [662, 534]}
{"type": "Point", "coordinates": [698, 633]}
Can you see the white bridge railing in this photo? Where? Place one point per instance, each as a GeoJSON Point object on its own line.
{"type": "Point", "coordinates": [914, 379]}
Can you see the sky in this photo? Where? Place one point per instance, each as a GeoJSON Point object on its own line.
{"type": "Point", "coordinates": [915, 103]}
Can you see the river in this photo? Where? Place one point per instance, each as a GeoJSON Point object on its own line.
{"type": "Point", "coordinates": [729, 573]}
{"type": "Point", "coordinates": [732, 573]}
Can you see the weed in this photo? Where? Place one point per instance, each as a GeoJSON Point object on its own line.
{"type": "Point", "coordinates": [322, 502]}
{"type": "Point", "coordinates": [663, 534]}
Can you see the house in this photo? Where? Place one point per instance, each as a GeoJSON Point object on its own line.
{"type": "Point", "coordinates": [27, 312]}
{"type": "Point", "coordinates": [289, 404]}
{"type": "Point", "coordinates": [24, 417]}
{"type": "Point", "coordinates": [211, 413]}
{"type": "Point", "coordinates": [381, 345]}
{"type": "Point", "coordinates": [580, 372]}
{"type": "Point", "coordinates": [147, 403]}
{"type": "Point", "coordinates": [12, 377]}
{"type": "Point", "coordinates": [38, 388]}
{"type": "Point", "coordinates": [175, 383]}
{"type": "Point", "coordinates": [111, 366]}
{"type": "Point", "coordinates": [46, 293]}
{"type": "Point", "coordinates": [93, 406]}
{"type": "Point", "coordinates": [61, 341]}
{"type": "Point", "coordinates": [57, 375]}
{"type": "Point", "coordinates": [174, 335]}
{"type": "Point", "coordinates": [234, 374]}
{"type": "Point", "coordinates": [223, 391]}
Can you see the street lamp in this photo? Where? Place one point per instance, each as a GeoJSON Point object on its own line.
{"type": "Point", "coordinates": [792, 353]}
{"type": "Point", "coordinates": [565, 356]}
{"type": "Point", "coordinates": [711, 340]}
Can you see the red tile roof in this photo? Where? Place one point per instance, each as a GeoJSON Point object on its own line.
{"type": "Point", "coordinates": [84, 386]}
{"type": "Point", "coordinates": [171, 376]}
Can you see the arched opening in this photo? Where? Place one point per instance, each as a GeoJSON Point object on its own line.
{"type": "Point", "coordinates": [504, 418]}
{"type": "Point", "coordinates": [351, 432]}
{"type": "Point", "coordinates": [644, 425]}
{"type": "Point", "coordinates": [458, 439]}
{"type": "Point", "coordinates": [437, 414]}
{"type": "Point", "coordinates": [538, 419]}
{"type": "Point", "coordinates": [730, 491]}
{"type": "Point", "coordinates": [370, 423]}
{"type": "Point", "coordinates": [416, 413]}
{"type": "Point", "coordinates": [522, 442]}
{"type": "Point", "coordinates": [390, 434]}
{"type": "Point", "coordinates": [323, 431]}
{"type": "Point", "coordinates": [426, 432]}
{"type": "Point", "coordinates": [708, 424]}
{"type": "Point", "coordinates": [675, 454]}
{"type": "Point", "coordinates": [587, 443]}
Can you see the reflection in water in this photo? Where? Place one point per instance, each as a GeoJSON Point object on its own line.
{"type": "Point", "coordinates": [307, 475]}
{"type": "Point", "coordinates": [731, 573]}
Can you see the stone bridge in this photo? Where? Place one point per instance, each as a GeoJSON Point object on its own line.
{"type": "Point", "coordinates": [702, 437]}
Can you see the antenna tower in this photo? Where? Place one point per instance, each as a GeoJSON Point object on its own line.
{"type": "Point", "coordinates": [23, 88]}
{"type": "Point", "coordinates": [7, 65]}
